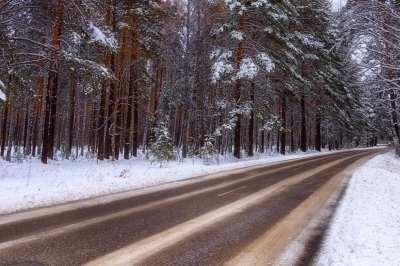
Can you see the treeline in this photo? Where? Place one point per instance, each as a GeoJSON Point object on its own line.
{"type": "Point", "coordinates": [111, 79]}
{"type": "Point", "coordinates": [371, 30]}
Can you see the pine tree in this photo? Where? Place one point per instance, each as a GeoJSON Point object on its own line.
{"type": "Point", "coordinates": [161, 148]}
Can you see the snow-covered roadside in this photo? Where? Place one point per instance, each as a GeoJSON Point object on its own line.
{"type": "Point", "coordinates": [32, 184]}
{"type": "Point", "coordinates": [366, 227]}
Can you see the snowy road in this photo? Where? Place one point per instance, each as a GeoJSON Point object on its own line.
{"type": "Point", "coordinates": [255, 216]}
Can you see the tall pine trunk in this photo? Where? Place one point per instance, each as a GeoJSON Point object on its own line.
{"type": "Point", "coordinates": [5, 117]}
{"type": "Point", "coordinates": [133, 92]}
{"type": "Point", "coordinates": [52, 84]}
{"type": "Point", "coordinates": [303, 137]}
{"type": "Point", "coordinates": [71, 115]}
{"type": "Point", "coordinates": [102, 113]}
{"type": "Point", "coordinates": [53, 115]}
{"type": "Point", "coordinates": [251, 122]}
{"type": "Point", "coordinates": [390, 75]}
{"type": "Point", "coordinates": [135, 137]}
{"type": "Point", "coordinates": [153, 106]}
{"type": "Point", "coordinates": [112, 102]}
{"type": "Point", "coordinates": [110, 136]}
{"type": "Point", "coordinates": [317, 126]}
{"type": "Point", "coordinates": [283, 126]}
{"type": "Point", "coordinates": [102, 125]}
{"type": "Point", "coordinates": [292, 148]}
{"type": "Point", "coordinates": [38, 115]}
{"type": "Point", "coordinates": [238, 88]}
{"type": "Point", "coordinates": [122, 100]}
{"type": "Point", "coordinates": [127, 137]}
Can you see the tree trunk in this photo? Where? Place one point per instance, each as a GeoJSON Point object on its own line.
{"type": "Point", "coordinates": [5, 117]}
{"type": "Point", "coordinates": [392, 93]}
{"type": "Point", "coordinates": [278, 141]}
{"type": "Point", "coordinates": [131, 88]}
{"type": "Point", "coordinates": [262, 145]}
{"type": "Point", "coordinates": [127, 136]}
{"type": "Point", "coordinates": [45, 143]}
{"type": "Point", "coordinates": [132, 100]}
{"type": "Point", "coordinates": [112, 102]}
{"type": "Point", "coordinates": [94, 114]}
{"type": "Point", "coordinates": [153, 107]}
{"type": "Point", "coordinates": [341, 140]}
{"type": "Point", "coordinates": [251, 122]}
{"type": "Point", "coordinates": [31, 126]}
{"type": "Point", "coordinates": [317, 126]}
{"type": "Point", "coordinates": [50, 95]}
{"type": "Point", "coordinates": [71, 115]}
{"type": "Point", "coordinates": [17, 131]}
{"type": "Point", "coordinates": [135, 137]}
{"type": "Point", "coordinates": [283, 126]}
{"type": "Point", "coordinates": [38, 113]}
{"type": "Point", "coordinates": [110, 137]}
{"type": "Point", "coordinates": [292, 149]}
{"type": "Point", "coordinates": [238, 88]}
{"type": "Point", "coordinates": [303, 139]}
{"type": "Point", "coordinates": [122, 101]}
{"type": "Point", "coordinates": [102, 126]}
{"type": "Point", "coordinates": [53, 115]}
{"type": "Point", "coordinates": [119, 118]}
{"type": "Point", "coordinates": [26, 125]}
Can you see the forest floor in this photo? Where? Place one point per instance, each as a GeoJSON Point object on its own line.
{"type": "Point", "coordinates": [364, 231]}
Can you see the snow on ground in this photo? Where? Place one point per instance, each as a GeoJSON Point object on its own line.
{"type": "Point", "coordinates": [366, 228]}
{"type": "Point", "coordinates": [32, 184]}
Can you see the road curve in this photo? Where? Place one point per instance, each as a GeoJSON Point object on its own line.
{"type": "Point", "coordinates": [274, 213]}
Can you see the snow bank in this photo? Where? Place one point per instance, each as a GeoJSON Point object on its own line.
{"type": "Point", "coordinates": [366, 228]}
{"type": "Point", "coordinates": [32, 184]}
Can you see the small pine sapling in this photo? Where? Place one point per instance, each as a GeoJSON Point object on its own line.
{"type": "Point", "coordinates": [161, 148]}
{"type": "Point", "coordinates": [208, 152]}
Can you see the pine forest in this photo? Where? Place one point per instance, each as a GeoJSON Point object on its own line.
{"type": "Point", "coordinates": [174, 79]}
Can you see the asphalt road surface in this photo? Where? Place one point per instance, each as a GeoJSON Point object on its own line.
{"type": "Point", "coordinates": [275, 213]}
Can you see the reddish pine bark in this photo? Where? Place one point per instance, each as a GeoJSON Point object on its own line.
{"type": "Point", "coordinates": [133, 98]}
{"type": "Point", "coordinates": [112, 102]}
{"type": "Point", "coordinates": [122, 105]}
{"type": "Point", "coordinates": [135, 144]}
{"type": "Point", "coordinates": [71, 114]}
{"type": "Point", "coordinates": [52, 85]}
{"type": "Point", "coordinates": [238, 88]}
{"type": "Point", "coordinates": [102, 127]}
{"type": "Point", "coordinates": [5, 117]}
